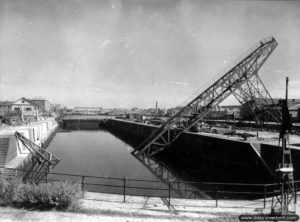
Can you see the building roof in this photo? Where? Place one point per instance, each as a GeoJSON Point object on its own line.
{"type": "Point", "coordinates": [295, 107]}
{"type": "Point", "coordinates": [38, 100]}
{"type": "Point", "coordinates": [5, 103]}
{"type": "Point", "coordinates": [266, 101]}
{"type": "Point", "coordinates": [24, 99]}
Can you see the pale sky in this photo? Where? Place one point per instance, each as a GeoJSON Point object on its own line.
{"type": "Point", "coordinates": [135, 52]}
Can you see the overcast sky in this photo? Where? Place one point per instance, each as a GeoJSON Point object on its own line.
{"type": "Point", "coordinates": [135, 52]}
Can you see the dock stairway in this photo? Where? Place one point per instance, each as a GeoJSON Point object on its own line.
{"type": "Point", "coordinates": [4, 144]}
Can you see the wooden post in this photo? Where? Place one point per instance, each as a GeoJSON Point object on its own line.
{"type": "Point", "coordinates": [265, 196]}
{"type": "Point", "coordinates": [124, 189]}
{"type": "Point", "coordinates": [169, 193]}
{"type": "Point", "coordinates": [82, 183]}
{"type": "Point", "coordinates": [217, 195]}
{"type": "Point", "coordinates": [295, 192]}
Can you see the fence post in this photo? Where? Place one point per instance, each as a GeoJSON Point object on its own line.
{"type": "Point", "coordinates": [169, 193]}
{"type": "Point", "coordinates": [82, 183]}
{"type": "Point", "coordinates": [217, 195]}
{"type": "Point", "coordinates": [296, 193]}
{"type": "Point", "coordinates": [124, 189]}
{"type": "Point", "coordinates": [264, 196]}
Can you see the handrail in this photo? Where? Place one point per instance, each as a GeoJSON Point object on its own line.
{"type": "Point", "coordinates": [213, 191]}
{"type": "Point", "coordinates": [154, 181]}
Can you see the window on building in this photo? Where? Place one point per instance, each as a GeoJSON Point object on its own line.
{"type": "Point", "coordinates": [28, 109]}
{"type": "Point", "coordinates": [17, 108]}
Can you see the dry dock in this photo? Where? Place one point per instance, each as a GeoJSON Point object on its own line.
{"type": "Point", "coordinates": [231, 158]}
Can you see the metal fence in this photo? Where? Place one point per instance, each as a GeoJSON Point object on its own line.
{"type": "Point", "coordinates": [167, 190]}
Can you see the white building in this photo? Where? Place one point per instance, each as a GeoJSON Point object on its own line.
{"type": "Point", "coordinates": [24, 106]}
{"type": "Point", "coordinates": [87, 110]}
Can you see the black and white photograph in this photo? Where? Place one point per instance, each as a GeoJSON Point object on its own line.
{"type": "Point", "coordinates": [149, 110]}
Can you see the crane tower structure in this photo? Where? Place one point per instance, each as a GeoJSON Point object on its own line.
{"type": "Point", "coordinates": [241, 80]}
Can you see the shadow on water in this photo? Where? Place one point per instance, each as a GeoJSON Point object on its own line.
{"type": "Point", "coordinates": [190, 180]}
{"type": "Point", "coordinates": [182, 174]}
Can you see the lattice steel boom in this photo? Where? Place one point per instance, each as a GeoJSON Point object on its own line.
{"type": "Point", "coordinates": [195, 110]}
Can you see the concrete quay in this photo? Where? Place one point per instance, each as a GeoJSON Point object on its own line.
{"type": "Point", "coordinates": [12, 152]}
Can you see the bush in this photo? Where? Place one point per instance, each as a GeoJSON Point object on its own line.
{"type": "Point", "coordinates": [7, 189]}
{"type": "Point", "coordinates": [57, 195]}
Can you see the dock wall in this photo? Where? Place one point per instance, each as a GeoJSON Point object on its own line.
{"type": "Point", "coordinates": [200, 155]}
{"type": "Point", "coordinates": [41, 133]}
{"type": "Point", "coordinates": [225, 159]}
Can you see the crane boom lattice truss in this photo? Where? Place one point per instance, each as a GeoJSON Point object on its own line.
{"type": "Point", "coordinates": [237, 81]}
{"type": "Point", "coordinates": [42, 161]}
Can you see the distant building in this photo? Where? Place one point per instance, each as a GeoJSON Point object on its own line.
{"type": "Point", "coordinates": [295, 112]}
{"type": "Point", "coordinates": [233, 110]}
{"type": "Point", "coordinates": [55, 107]}
{"type": "Point", "coordinates": [88, 110]}
{"type": "Point", "coordinates": [17, 111]}
{"type": "Point", "coordinates": [5, 107]}
{"type": "Point", "coordinates": [67, 111]}
{"type": "Point", "coordinates": [224, 112]}
{"type": "Point", "coordinates": [42, 105]}
{"type": "Point", "coordinates": [173, 111]}
{"type": "Point", "coordinates": [24, 106]}
{"type": "Point", "coordinates": [264, 104]}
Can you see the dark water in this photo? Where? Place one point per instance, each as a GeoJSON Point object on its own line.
{"type": "Point", "coordinates": [99, 153]}
{"type": "Point", "coordinates": [96, 153]}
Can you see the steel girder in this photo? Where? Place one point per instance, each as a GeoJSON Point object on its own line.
{"type": "Point", "coordinates": [42, 161]}
{"type": "Point", "coordinates": [199, 107]}
{"type": "Point", "coordinates": [255, 95]}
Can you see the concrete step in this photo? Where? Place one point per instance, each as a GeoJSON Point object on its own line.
{"type": "Point", "coordinates": [4, 144]}
{"type": "Point", "coordinates": [3, 141]}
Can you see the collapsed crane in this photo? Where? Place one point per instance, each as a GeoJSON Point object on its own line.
{"type": "Point", "coordinates": [241, 80]}
{"type": "Point", "coordinates": [42, 161]}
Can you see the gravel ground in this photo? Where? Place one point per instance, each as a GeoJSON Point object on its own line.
{"type": "Point", "coordinates": [108, 207]}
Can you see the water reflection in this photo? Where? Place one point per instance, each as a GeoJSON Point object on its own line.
{"type": "Point", "coordinates": [106, 163]}
{"type": "Point", "coordinates": [179, 181]}
{"type": "Point", "coordinates": [189, 182]}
